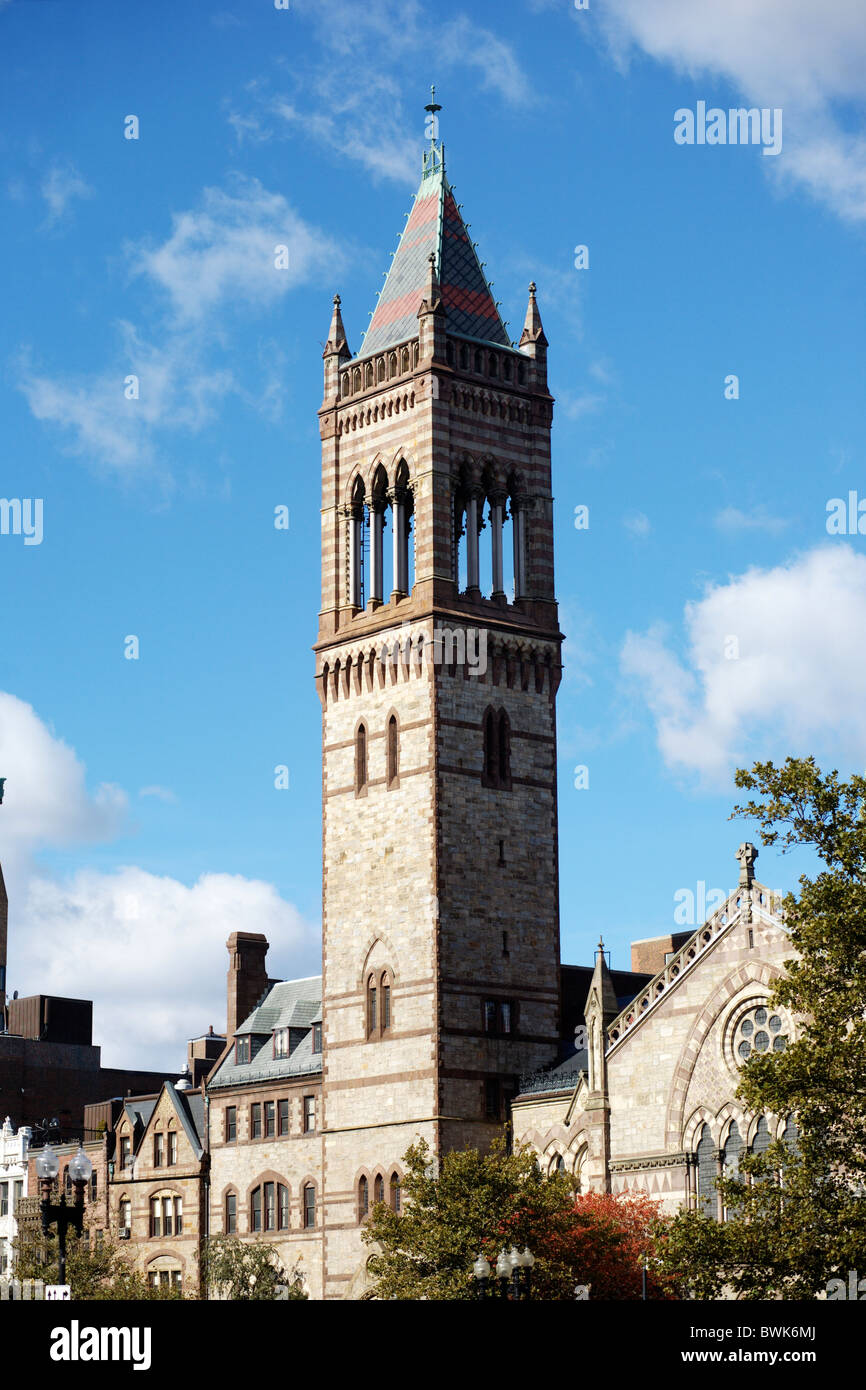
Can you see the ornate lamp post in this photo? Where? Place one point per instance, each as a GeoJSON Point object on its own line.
{"type": "Point", "coordinates": [47, 1168]}
{"type": "Point", "coordinates": [513, 1274]}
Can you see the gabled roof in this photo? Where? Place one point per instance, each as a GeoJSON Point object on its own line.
{"type": "Point", "coordinates": [188, 1106]}
{"type": "Point", "coordinates": [289, 1004]}
{"type": "Point", "coordinates": [435, 226]}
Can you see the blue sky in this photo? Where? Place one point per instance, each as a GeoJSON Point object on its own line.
{"type": "Point", "coordinates": [141, 823]}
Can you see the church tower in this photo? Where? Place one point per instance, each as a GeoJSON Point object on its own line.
{"type": "Point", "coordinates": [437, 666]}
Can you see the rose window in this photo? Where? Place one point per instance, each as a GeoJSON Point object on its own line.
{"type": "Point", "coordinates": [760, 1030]}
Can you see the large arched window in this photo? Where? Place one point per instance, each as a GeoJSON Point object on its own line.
{"type": "Point", "coordinates": [761, 1140]}
{"type": "Point", "coordinates": [363, 1199]}
{"type": "Point", "coordinates": [393, 751]}
{"type": "Point", "coordinates": [707, 1174]}
{"type": "Point", "coordinates": [731, 1156]}
{"type": "Point", "coordinates": [361, 760]}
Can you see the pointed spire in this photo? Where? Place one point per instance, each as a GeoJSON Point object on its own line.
{"type": "Point", "coordinates": [532, 329]}
{"type": "Point", "coordinates": [336, 333]}
{"type": "Point", "coordinates": [602, 983]}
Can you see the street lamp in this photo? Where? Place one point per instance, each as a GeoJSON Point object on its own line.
{"type": "Point", "coordinates": [47, 1168]}
{"type": "Point", "coordinates": [513, 1274]}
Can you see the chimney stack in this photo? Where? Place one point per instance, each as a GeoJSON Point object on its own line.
{"type": "Point", "coordinates": [247, 977]}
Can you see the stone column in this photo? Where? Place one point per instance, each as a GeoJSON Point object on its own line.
{"type": "Point", "coordinates": [355, 536]}
{"type": "Point", "coordinates": [497, 508]}
{"type": "Point", "coordinates": [473, 528]}
{"type": "Point", "coordinates": [377, 520]}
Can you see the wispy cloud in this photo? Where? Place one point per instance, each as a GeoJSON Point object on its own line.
{"type": "Point", "coordinates": [637, 524]}
{"type": "Point", "coordinates": [808, 59]}
{"type": "Point", "coordinates": [362, 116]}
{"type": "Point", "coordinates": [161, 793]}
{"type": "Point", "coordinates": [240, 251]}
{"type": "Point", "coordinates": [60, 187]}
{"type": "Point", "coordinates": [732, 520]}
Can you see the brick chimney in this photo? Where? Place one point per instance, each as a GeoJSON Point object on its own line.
{"type": "Point", "coordinates": [247, 977]}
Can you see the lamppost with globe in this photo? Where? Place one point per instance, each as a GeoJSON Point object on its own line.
{"type": "Point", "coordinates": [512, 1269]}
{"type": "Point", "coordinates": [60, 1213]}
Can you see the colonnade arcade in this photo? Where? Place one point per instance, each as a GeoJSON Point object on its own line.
{"type": "Point", "coordinates": [484, 506]}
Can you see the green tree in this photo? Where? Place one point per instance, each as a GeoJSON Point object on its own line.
{"type": "Point", "coordinates": [798, 1217]}
{"type": "Point", "coordinates": [248, 1270]}
{"type": "Point", "coordinates": [475, 1203]}
{"type": "Point", "coordinates": [96, 1267]}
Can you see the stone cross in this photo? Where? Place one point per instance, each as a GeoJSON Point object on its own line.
{"type": "Point", "coordinates": [747, 854]}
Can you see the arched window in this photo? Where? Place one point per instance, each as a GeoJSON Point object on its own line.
{"type": "Point", "coordinates": [379, 1189]}
{"type": "Point", "coordinates": [762, 1140]}
{"type": "Point", "coordinates": [379, 1004]}
{"type": "Point", "coordinates": [401, 510]}
{"type": "Point", "coordinates": [393, 751]}
{"type": "Point", "coordinates": [256, 1209]}
{"type": "Point", "coordinates": [791, 1135]}
{"type": "Point", "coordinates": [363, 1199]}
{"type": "Point", "coordinates": [503, 749]}
{"type": "Point", "coordinates": [230, 1216]}
{"type": "Point", "coordinates": [309, 1197]}
{"type": "Point", "coordinates": [372, 1008]}
{"type": "Point", "coordinates": [707, 1192]}
{"type": "Point", "coordinates": [579, 1162]}
{"type": "Point", "coordinates": [490, 755]}
{"type": "Point", "coordinates": [395, 1194]}
{"type": "Point", "coordinates": [731, 1156]}
{"type": "Point", "coordinates": [497, 749]}
{"type": "Point", "coordinates": [361, 759]}
{"type": "Point", "coordinates": [355, 522]}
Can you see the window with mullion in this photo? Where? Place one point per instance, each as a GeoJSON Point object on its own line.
{"type": "Point", "coordinates": [172, 1147]}
{"type": "Point", "coordinates": [270, 1207]}
{"type": "Point", "coordinates": [309, 1207]}
{"type": "Point", "coordinates": [167, 1227]}
{"type": "Point", "coordinates": [283, 1208]}
{"type": "Point", "coordinates": [231, 1123]}
{"type": "Point", "coordinates": [231, 1218]}
{"type": "Point", "coordinates": [270, 1119]}
{"type": "Point", "coordinates": [256, 1209]}
{"type": "Point", "coordinates": [283, 1117]}
{"type": "Point", "coordinates": [155, 1222]}
{"type": "Point", "coordinates": [256, 1120]}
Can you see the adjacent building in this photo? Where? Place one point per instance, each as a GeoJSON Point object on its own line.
{"type": "Point", "coordinates": [14, 1188]}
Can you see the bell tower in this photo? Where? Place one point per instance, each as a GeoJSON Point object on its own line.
{"type": "Point", "coordinates": [437, 666]}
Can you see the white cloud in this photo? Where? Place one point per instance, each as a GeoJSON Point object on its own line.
{"type": "Point", "coordinates": [773, 666]}
{"type": "Point", "coordinates": [218, 257]}
{"type": "Point", "coordinates": [46, 799]}
{"type": "Point", "coordinates": [161, 793]}
{"type": "Point", "coordinates": [808, 59]}
{"type": "Point", "coordinates": [732, 520]}
{"type": "Point", "coordinates": [59, 187]}
{"type": "Point", "coordinates": [226, 252]}
{"type": "Point", "coordinates": [637, 523]}
{"type": "Point", "coordinates": [148, 950]}
{"type": "Point", "coordinates": [361, 115]}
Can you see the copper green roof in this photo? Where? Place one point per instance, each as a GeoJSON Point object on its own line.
{"type": "Point", "coordinates": [435, 225]}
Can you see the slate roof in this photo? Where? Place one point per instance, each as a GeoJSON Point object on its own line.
{"type": "Point", "coordinates": [289, 1004]}
{"type": "Point", "coordinates": [435, 224]}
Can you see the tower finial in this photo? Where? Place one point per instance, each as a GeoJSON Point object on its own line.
{"type": "Point", "coordinates": [431, 130]}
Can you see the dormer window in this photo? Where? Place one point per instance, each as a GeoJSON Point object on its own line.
{"type": "Point", "coordinates": [281, 1042]}
{"type": "Point", "coordinates": [242, 1050]}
